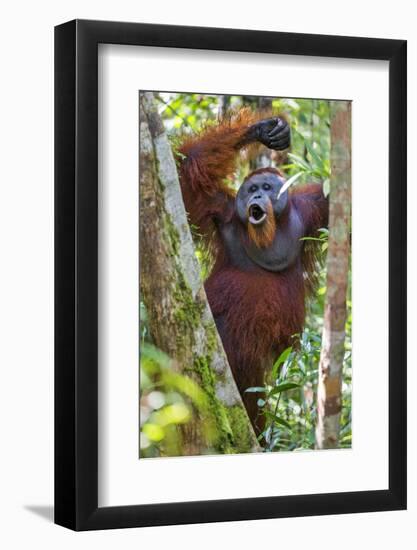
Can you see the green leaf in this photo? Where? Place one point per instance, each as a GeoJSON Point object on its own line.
{"type": "Point", "coordinates": [284, 387]}
{"type": "Point", "coordinates": [281, 359]}
{"type": "Point", "coordinates": [300, 162]}
{"type": "Point", "coordinates": [278, 420]}
{"type": "Point", "coordinates": [311, 239]}
{"type": "Point", "coordinates": [283, 422]}
{"type": "Point", "coordinates": [315, 157]}
{"type": "Point", "coordinates": [153, 432]}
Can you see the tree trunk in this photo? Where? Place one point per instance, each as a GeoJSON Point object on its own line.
{"type": "Point", "coordinates": [224, 105]}
{"type": "Point", "coordinates": [329, 393]}
{"type": "Point", "coordinates": [180, 319]}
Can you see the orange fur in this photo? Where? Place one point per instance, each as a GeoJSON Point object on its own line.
{"type": "Point", "coordinates": [207, 162]}
{"type": "Point", "coordinates": [261, 312]}
{"type": "Point", "coordinates": [221, 141]}
{"type": "Point", "coordinates": [257, 312]}
{"type": "Point", "coordinates": [263, 235]}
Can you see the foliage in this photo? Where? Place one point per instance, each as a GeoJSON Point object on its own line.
{"type": "Point", "coordinates": [168, 400]}
{"type": "Point", "coordinates": [186, 111]}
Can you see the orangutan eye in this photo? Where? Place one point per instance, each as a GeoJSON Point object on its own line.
{"type": "Point", "coordinates": [253, 188]}
{"type": "Point", "coordinates": [266, 186]}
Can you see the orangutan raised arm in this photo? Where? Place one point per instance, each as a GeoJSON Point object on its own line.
{"type": "Point", "coordinates": [208, 158]}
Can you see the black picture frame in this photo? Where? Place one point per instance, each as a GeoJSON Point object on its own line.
{"type": "Point", "coordinates": [76, 272]}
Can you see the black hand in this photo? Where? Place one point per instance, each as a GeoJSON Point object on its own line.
{"type": "Point", "coordinates": [273, 132]}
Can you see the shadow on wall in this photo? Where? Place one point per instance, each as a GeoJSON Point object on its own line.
{"type": "Point", "coordinates": [45, 512]}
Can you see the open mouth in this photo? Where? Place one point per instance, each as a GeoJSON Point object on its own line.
{"type": "Point", "coordinates": [257, 214]}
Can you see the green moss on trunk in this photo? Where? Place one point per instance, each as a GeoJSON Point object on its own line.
{"type": "Point", "coordinates": [242, 436]}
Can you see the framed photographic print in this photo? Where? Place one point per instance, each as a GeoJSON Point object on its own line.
{"type": "Point", "coordinates": [230, 275]}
